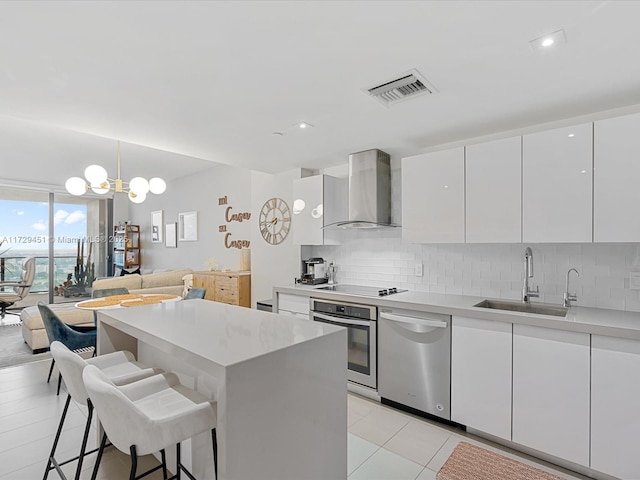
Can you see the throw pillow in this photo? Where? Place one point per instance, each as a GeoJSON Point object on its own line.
{"type": "Point", "coordinates": [130, 272]}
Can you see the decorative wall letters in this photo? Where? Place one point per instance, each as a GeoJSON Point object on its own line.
{"type": "Point", "coordinates": [230, 216]}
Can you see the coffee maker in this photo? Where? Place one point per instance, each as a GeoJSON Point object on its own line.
{"type": "Point", "coordinates": [314, 271]}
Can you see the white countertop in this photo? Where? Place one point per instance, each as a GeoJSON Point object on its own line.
{"type": "Point", "coordinates": [614, 323]}
{"type": "Point", "coordinates": [223, 334]}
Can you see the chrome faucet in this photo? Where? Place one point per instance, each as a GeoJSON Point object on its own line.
{"type": "Point", "coordinates": [528, 273]}
{"type": "Point", "coordinates": [570, 297]}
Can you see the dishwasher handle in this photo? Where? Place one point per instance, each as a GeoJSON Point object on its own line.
{"type": "Point", "coordinates": [413, 320]}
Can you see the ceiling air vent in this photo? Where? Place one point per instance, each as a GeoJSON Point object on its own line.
{"type": "Point", "coordinates": [409, 85]}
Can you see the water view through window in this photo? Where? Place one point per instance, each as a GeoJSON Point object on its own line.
{"type": "Point", "coordinates": [24, 232]}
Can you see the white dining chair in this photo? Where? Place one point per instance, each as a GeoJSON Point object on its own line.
{"type": "Point", "coordinates": [149, 416]}
{"type": "Point", "coordinates": [120, 368]}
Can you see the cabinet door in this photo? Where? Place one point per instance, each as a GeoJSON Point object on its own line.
{"type": "Point", "coordinates": [551, 391]}
{"type": "Point", "coordinates": [615, 406]}
{"type": "Point", "coordinates": [293, 303]}
{"type": "Point", "coordinates": [481, 375]}
{"type": "Point", "coordinates": [208, 282]}
{"type": "Point", "coordinates": [616, 195]}
{"type": "Point", "coordinates": [307, 210]}
{"type": "Point", "coordinates": [433, 197]}
{"type": "Point", "coordinates": [493, 191]}
{"type": "Point", "coordinates": [557, 171]}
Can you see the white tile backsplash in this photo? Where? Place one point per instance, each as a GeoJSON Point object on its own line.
{"type": "Point", "coordinates": [380, 258]}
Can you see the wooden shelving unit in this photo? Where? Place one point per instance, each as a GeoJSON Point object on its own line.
{"type": "Point", "coordinates": [126, 246]}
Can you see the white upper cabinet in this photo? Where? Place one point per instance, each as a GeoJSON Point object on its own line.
{"type": "Point", "coordinates": [318, 201]}
{"type": "Point", "coordinates": [433, 197]}
{"type": "Point", "coordinates": [493, 191]}
{"type": "Point", "coordinates": [616, 195]}
{"type": "Point", "coordinates": [557, 172]}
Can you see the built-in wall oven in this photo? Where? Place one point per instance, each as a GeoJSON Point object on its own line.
{"type": "Point", "coordinates": [361, 322]}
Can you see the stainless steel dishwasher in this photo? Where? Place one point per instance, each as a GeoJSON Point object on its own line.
{"type": "Point", "coordinates": [414, 360]}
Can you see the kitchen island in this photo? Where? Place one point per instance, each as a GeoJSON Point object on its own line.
{"type": "Point", "coordinates": [280, 384]}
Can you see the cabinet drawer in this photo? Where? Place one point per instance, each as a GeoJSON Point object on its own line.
{"type": "Point", "coordinates": [293, 303]}
{"type": "Point", "coordinates": [227, 296]}
{"type": "Point", "coordinates": [227, 282]}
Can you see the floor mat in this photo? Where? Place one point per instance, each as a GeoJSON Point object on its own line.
{"type": "Point", "coordinates": [469, 462]}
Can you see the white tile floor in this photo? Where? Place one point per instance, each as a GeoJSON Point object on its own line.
{"type": "Point", "coordinates": [383, 443]}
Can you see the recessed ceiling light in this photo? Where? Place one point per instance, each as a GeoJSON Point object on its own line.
{"type": "Point", "coordinates": [304, 125]}
{"type": "Point", "coordinates": [571, 135]}
{"type": "Point", "coordinates": [546, 41]}
{"type": "Point", "coordinates": [583, 171]}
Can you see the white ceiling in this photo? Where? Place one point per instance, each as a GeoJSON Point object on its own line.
{"type": "Point", "coordinates": [214, 80]}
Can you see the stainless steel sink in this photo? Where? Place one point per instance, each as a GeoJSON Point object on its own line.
{"type": "Point", "coordinates": [538, 308]}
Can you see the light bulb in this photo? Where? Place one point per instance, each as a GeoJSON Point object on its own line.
{"type": "Point", "coordinates": [100, 188]}
{"type": "Point", "coordinates": [76, 186]}
{"type": "Point", "coordinates": [318, 211]}
{"type": "Point", "coordinates": [157, 185]}
{"type": "Point", "coordinates": [95, 174]}
{"type": "Point", "coordinates": [137, 197]}
{"type": "Point", "coordinates": [139, 185]}
{"type": "Point", "coordinates": [298, 206]}
{"type": "Point", "coordinates": [547, 42]}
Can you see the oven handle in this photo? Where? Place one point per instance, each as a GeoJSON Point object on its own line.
{"type": "Point", "coordinates": [347, 321]}
{"type": "Point", "coordinates": [413, 320]}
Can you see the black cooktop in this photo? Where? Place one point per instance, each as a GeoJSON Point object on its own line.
{"type": "Point", "coordinates": [363, 290]}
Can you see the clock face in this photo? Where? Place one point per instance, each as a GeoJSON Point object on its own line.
{"type": "Point", "coordinates": [275, 221]}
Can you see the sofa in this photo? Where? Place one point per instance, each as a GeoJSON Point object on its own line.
{"type": "Point", "coordinates": [33, 330]}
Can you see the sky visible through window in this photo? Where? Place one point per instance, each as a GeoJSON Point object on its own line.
{"type": "Point", "coordinates": [25, 226]}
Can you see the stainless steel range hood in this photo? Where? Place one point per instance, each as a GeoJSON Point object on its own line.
{"type": "Point", "coordinates": [369, 191]}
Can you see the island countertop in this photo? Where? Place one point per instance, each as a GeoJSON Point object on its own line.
{"type": "Point", "coordinates": [268, 373]}
{"type": "Point", "coordinates": [221, 333]}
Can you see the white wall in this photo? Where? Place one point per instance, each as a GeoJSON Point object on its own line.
{"type": "Point", "coordinates": [272, 264]}
{"type": "Point", "coordinates": [246, 191]}
{"type": "Point", "coordinates": [199, 192]}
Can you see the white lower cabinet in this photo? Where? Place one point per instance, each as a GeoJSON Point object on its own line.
{"type": "Point", "coordinates": [481, 375]}
{"type": "Point", "coordinates": [551, 383]}
{"type": "Point", "coordinates": [297, 305]}
{"type": "Point", "coordinates": [615, 408]}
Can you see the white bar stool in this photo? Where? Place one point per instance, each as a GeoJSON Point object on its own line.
{"type": "Point", "coordinates": [121, 369]}
{"type": "Point", "coordinates": [148, 416]}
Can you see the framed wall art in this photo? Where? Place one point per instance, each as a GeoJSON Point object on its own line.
{"type": "Point", "coordinates": [170, 235]}
{"type": "Point", "coordinates": [188, 226]}
{"type": "Point", "coordinates": [157, 221]}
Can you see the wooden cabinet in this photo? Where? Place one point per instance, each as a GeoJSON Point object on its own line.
{"type": "Point", "coordinates": [433, 197]}
{"type": "Point", "coordinates": [557, 171]}
{"type": "Point", "coordinates": [615, 409]}
{"type": "Point", "coordinates": [493, 172]}
{"type": "Point", "coordinates": [233, 288]}
{"type": "Point", "coordinates": [551, 383]}
{"type": "Point", "coordinates": [319, 201]}
{"type": "Point", "coordinates": [481, 375]}
{"type": "Point", "coordinates": [126, 246]}
{"type": "Point", "coordinates": [616, 195]}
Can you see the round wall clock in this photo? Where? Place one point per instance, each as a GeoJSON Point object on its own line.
{"type": "Point", "coordinates": [275, 220]}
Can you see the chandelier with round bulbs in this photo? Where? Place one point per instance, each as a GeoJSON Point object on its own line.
{"type": "Point", "coordinates": [98, 181]}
